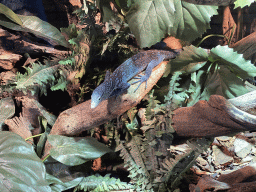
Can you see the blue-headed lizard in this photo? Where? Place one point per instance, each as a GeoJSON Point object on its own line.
{"type": "Point", "coordinates": [117, 82]}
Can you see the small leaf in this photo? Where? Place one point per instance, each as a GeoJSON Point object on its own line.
{"type": "Point", "coordinates": [75, 151]}
{"type": "Point", "coordinates": [61, 84]}
{"type": "Point", "coordinates": [131, 113]}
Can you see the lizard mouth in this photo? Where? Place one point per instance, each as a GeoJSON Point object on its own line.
{"type": "Point", "coordinates": [93, 105]}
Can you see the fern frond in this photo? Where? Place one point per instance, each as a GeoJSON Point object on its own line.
{"type": "Point", "coordinates": [153, 107]}
{"type": "Point", "coordinates": [100, 184]}
{"type": "Point", "coordinates": [173, 86]}
{"type": "Point", "coordinates": [62, 83]}
{"type": "Point", "coordinates": [38, 76]}
{"type": "Point", "coordinates": [68, 61]}
{"type": "Point", "coordinates": [138, 173]}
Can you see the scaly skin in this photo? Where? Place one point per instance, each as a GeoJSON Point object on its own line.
{"type": "Point", "coordinates": [117, 82]}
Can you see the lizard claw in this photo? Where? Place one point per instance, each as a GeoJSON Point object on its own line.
{"type": "Point", "coordinates": [138, 77]}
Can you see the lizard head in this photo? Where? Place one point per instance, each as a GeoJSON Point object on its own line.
{"type": "Point", "coordinates": [103, 91]}
{"type": "Point", "coordinates": [99, 94]}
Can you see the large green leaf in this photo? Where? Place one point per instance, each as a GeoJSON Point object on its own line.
{"type": "Point", "coordinates": [225, 83]}
{"type": "Point", "coordinates": [211, 2]}
{"type": "Point", "coordinates": [243, 3]}
{"type": "Point", "coordinates": [191, 20]}
{"type": "Point", "coordinates": [152, 20]}
{"type": "Point", "coordinates": [189, 60]}
{"type": "Point", "coordinates": [9, 14]}
{"type": "Point", "coordinates": [224, 55]}
{"type": "Point", "coordinates": [57, 185]}
{"type": "Point", "coordinates": [20, 167]}
{"type": "Point", "coordinates": [75, 151]}
{"type": "Point", "coordinates": [38, 27]}
{"type": "Point", "coordinates": [7, 110]}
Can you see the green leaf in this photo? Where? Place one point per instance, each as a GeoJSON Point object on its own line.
{"type": "Point", "coordinates": [196, 87]}
{"type": "Point", "coordinates": [124, 4]}
{"type": "Point", "coordinates": [57, 185]}
{"type": "Point", "coordinates": [191, 20]}
{"type": "Point", "coordinates": [7, 110]}
{"type": "Point", "coordinates": [75, 151]}
{"type": "Point", "coordinates": [106, 183]}
{"type": "Point", "coordinates": [150, 21]}
{"type": "Point", "coordinates": [43, 138]}
{"type": "Point", "coordinates": [38, 27]}
{"type": "Point", "coordinates": [20, 168]}
{"type": "Point", "coordinates": [211, 2]}
{"type": "Point", "coordinates": [105, 9]}
{"type": "Point", "coordinates": [70, 31]}
{"type": "Point", "coordinates": [9, 14]}
{"type": "Point", "coordinates": [234, 61]}
{"type": "Point", "coordinates": [41, 75]}
{"type": "Point", "coordinates": [225, 83]}
{"type": "Point", "coordinates": [189, 60]}
{"type": "Point", "coordinates": [243, 3]}
{"type": "Point", "coordinates": [61, 84]}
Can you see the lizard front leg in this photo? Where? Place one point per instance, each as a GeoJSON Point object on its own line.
{"type": "Point", "coordinates": [152, 64]}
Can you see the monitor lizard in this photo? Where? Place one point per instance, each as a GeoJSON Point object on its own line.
{"type": "Point", "coordinates": [117, 82]}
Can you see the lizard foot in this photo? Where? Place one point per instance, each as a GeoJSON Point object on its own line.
{"type": "Point", "coordinates": [142, 78]}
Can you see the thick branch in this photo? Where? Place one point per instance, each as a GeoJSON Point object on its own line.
{"type": "Point", "coordinates": [82, 117]}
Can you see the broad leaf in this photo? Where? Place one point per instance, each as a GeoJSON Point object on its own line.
{"type": "Point", "coordinates": [7, 110]}
{"type": "Point", "coordinates": [9, 14]}
{"type": "Point", "coordinates": [211, 2]}
{"type": "Point", "coordinates": [243, 3]}
{"type": "Point", "coordinates": [223, 82]}
{"type": "Point", "coordinates": [224, 55]}
{"type": "Point", "coordinates": [75, 151]}
{"type": "Point", "coordinates": [57, 185]}
{"type": "Point", "coordinates": [20, 167]}
{"type": "Point", "coordinates": [189, 60]}
{"type": "Point", "coordinates": [38, 27]}
{"type": "Point", "coordinates": [191, 20]}
{"type": "Point", "coordinates": [150, 21]}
